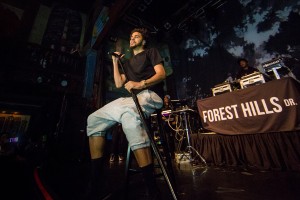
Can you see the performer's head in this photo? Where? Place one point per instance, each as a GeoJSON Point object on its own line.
{"type": "Point", "coordinates": [138, 38]}
{"type": "Point", "coordinates": [243, 63]}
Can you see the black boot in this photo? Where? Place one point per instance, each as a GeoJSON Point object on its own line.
{"type": "Point", "coordinates": [148, 173]}
{"type": "Point", "coordinates": [96, 180]}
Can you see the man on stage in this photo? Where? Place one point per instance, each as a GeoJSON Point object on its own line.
{"type": "Point", "coordinates": [245, 69]}
{"type": "Point", "coordinates": [145, 74]}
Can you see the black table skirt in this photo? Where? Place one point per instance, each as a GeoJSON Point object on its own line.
{"type": "Point", "coordinates": [267, 151]}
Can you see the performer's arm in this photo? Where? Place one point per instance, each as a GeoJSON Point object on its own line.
{"type": "Point", "coordinates": [118, 77]}
{"type": "Point", "coordinates": [159, 75]}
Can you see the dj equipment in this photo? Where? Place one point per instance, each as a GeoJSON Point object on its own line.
{"type": "Point", "coordinates": [255, 78]}
{"type": "Point", "coordinates": [178, 103]}
{"type": "Point", "coordinates": [221, 88]}
{"type": "Point", "coordinates": [183, 117]}
{"type": "Point", "coordinates": [166, 113]}
{"type": "Point", "coordinates": [275, 68]}
{"type": "Point", "coordinates": [190, 153]}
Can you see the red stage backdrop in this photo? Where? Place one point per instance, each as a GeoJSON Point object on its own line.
{"type": "Point", "coordinates": [269, 107]}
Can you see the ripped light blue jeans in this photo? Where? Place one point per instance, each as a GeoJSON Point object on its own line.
{"type": "Point", "coordinates": [124, 111]}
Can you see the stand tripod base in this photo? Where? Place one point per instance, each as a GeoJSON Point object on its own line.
{"type": "Point", "coordinates": [190, 155]}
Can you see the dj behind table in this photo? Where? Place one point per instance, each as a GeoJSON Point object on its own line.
{"type": "Point", "coordinates": [272, 70]}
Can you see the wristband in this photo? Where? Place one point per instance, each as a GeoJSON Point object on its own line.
{"type": "Point", "coordinates": [144, 83]}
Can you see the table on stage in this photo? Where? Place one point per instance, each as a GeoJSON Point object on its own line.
{"type": "Point", "coordinates": [257, 127]}
{"type": "Point", "coordinates": [268, 107]}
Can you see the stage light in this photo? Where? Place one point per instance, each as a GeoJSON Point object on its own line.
{"type": "Point", "coordinates": [148, 2]}
{"type": "Point", "coordinates": [167, 25]}
{"type": "Point", "coordinates": [39, 79]}
{"type": "Point", "coordinates": [142, 7]}
{"type": "Point", "coordinates": [191, 59]}
{"type": "Point", "coordinates": [64, 83]}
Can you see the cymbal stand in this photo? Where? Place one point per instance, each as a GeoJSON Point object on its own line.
{"type": "Point", "coordinates": [189, 150]}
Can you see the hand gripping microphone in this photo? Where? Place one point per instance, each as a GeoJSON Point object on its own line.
{"type": "Point", "coordinates": [116, 55]}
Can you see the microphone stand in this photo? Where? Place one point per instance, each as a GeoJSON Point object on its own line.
{"type": "Point", "coordinates": [152, 142]}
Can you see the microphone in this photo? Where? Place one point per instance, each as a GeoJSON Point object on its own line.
{"type": "Point", "coordinates": [114, 54]}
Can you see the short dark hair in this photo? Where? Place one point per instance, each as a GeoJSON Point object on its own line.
{"type": "Point", "coordinates": [142, 31]}
{"type": "Point", "coordinates": [242, 59]}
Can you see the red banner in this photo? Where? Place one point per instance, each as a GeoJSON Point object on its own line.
{"type": "Point", "coordinates": [269, 107]}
